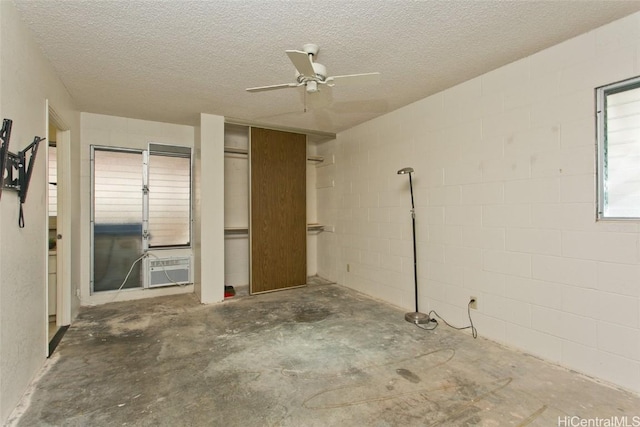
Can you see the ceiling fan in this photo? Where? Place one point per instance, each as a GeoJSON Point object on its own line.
{"type": "Point", "coordinates": [312, 74]}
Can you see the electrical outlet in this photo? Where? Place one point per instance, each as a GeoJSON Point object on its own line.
{"type": "Point", "coordinates": [348, 268]}
{"type": "Point", "coordinates": [473, 302]}
{"type": "Point", "coordinates": [77, 292]}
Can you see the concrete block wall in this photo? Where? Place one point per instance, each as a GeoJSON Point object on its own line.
{"type": "Point", "coordinates": [505, 193]}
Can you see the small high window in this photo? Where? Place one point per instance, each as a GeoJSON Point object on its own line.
{"type": "Point", "coordinates": [618, 130]}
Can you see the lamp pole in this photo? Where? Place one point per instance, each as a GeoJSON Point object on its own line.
{"type": "Point", "coordinates": [415, 262]}
{"type": "Point", "coordinates": [415, 317]}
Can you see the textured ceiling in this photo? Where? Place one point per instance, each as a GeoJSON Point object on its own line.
{"type": "Point", "coordinates": [170, 60]}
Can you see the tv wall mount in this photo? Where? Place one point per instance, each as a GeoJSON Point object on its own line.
{"type": "Point", "coordinates": [16, 168]}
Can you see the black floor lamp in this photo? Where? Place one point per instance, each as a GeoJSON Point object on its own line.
{"type": "Point", "coordinates": [415, 317]}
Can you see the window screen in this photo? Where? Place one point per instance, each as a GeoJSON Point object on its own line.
{"type": "Point", "coordinates": [117, 216]}
{"type": "Point", "coordinates": [169, 196]}
{"type": "Point", "coordinates": [619, 150]}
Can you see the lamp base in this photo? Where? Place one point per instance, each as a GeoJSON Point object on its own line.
{"type": "Point", "coordinates": [417, 318]}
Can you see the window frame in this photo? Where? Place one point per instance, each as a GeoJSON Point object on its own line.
{"type": "Point", "coordinates": [92, 208]}
{"type": "Point", "coordinates": [602, 144]}
{"type": "Point", "coordinates": [155, 148]}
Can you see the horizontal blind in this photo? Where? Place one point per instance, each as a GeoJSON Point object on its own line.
{"type": "Point", "coordinates": [117, 187]}
{"type": "Point", "coordinates": [623, 154]}
{"type": "Point", "coordinates": [169, 199]}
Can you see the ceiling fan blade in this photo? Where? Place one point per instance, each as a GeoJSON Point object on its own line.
{"type": "Point", "coordinates": [354, 79]}
{"type": "Point", "coordinates": [302, 62]}
{"type": "Point", "coordinates": [272, 87]}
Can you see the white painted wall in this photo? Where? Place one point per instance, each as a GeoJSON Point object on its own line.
{"type": "Point", "coordinates": [111, 131]}
{"type": "Point", "coordinates": [210, 256]}
{"type": "Point", "coordinates": [197, 212]}
{"type": "Point", "coordinates": [27, 80]}
{"type": "Point", "coordinates": [505, 208]}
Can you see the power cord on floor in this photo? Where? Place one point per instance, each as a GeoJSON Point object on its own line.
{"type": "Point", "coordinates": [141, 257]}
{"type": "Point", "coordinates": [474, 331]}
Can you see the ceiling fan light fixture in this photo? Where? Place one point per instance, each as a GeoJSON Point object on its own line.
{"type": "Point", "coordinates": [312, 86]}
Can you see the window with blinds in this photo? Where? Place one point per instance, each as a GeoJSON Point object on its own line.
{"type": "Point", "coordinates": [119, 196]}
{"type": "Point", "coordinates": [140, 199]}
{"type": "Point", "coordinates": [619, 150]}
{"type": "Point", "coordinates": [117, 185]}
{"type": "Point", "coordinates": [169, 196]}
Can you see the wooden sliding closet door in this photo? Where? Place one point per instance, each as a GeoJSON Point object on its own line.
{"type": "Point", "coordinates": [278, 225]}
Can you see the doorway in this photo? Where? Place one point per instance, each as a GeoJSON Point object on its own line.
{"type": "Point", "coordinates": [52, 269]}
{"type": "Point", "coordinates": [58, 292]}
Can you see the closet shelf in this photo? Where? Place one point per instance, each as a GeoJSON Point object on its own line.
{"type": "Point", "coordinates": [234, 150]}
{"type": "Point", "coordinates": [315, 227]}
{"type": "Point", "coordinates": [235, 230]}
{"type": "Point", "coordinates": [315, 159]}
{"type": "Point", "coordinates": [244, 151]}
{"type": "Point", "coordinates": [244, 230]}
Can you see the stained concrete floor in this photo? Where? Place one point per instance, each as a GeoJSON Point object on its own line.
{"type": "Point", "coordinates": [322, 355]}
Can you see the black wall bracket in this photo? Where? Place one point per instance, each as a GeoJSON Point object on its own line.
{"type": "Point", "coordinates": [5, 138]}
{"type": "Point", "coordinates": [16, 168]}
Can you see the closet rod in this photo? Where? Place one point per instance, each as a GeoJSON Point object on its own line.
{"type": "Point", "coordinates": [244, 230]}
{"type": "Point", "coordinates": [244, 151]}
{"type": "Point", "coordinates": [315, 135]}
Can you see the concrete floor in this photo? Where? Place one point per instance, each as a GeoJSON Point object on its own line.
{"type": "Point", "coordinates": [317, 356]}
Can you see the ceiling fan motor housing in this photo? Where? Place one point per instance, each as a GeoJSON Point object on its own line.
{"type": "Point", "coordinates": [319, 77]}
{"type": "Point", "coordinates": [320, 70]}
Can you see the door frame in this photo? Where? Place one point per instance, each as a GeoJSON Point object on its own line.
{"type": "Point", "coordinates": [63, 244]}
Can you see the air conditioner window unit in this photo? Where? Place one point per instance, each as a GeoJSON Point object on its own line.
{"type": "Point", "coordinates": [169, 271]}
